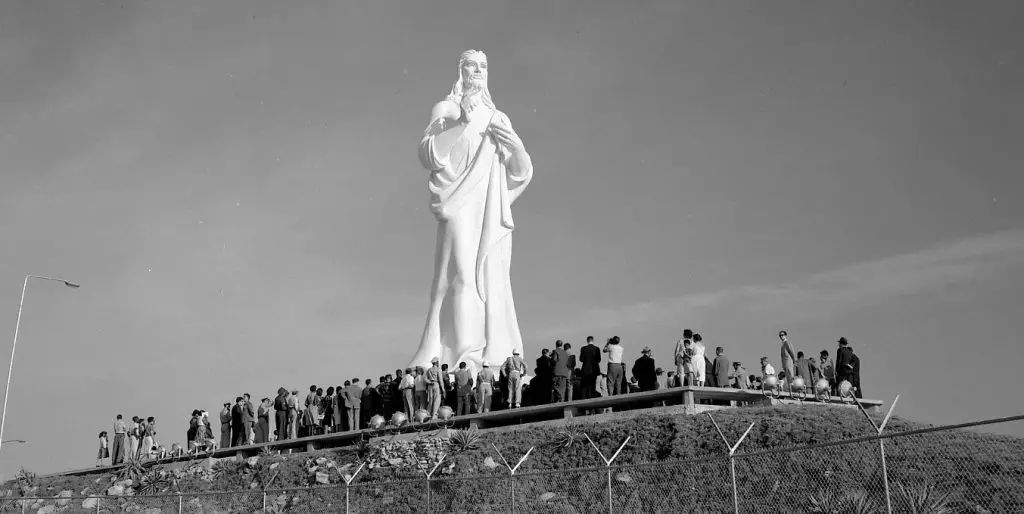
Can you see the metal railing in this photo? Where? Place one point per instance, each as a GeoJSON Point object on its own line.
{"type": "Point", "coordinates": [926, 470]}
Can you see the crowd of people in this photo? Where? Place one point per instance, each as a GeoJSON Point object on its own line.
{"type": "Point", "coordinates": [558, 376]}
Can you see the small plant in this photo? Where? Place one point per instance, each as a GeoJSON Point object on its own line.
{"type": "Point", "coordinates": [363, 448]}
{"type": "Point", "coordinates": [133, 470]}
{"type": "Point", "coordinates": [569, 435]}
{"type": "Point", "coordinates": [154, 482]}
{"type": "Point", "coordinates": [825, 502]}
{"type": "Point", "coordinates": [924, 500]}
{"type": "Point", "coordinates": [858, 502]}
{"type": "Point", "coordinates": [463, 440]}
{"type": "Point", "coordinates": [26, 481]}
{"type": "Point", "coordinates": [853, 502]}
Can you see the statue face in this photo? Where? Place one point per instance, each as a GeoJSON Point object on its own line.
{"type": "Point", "coordinates": [474, 70]}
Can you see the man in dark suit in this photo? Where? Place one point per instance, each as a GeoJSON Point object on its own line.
{"type": "Point", "coordinates": [590, 369]}
{"type": "Point", "coordinates": [720, 368]}
{"type": "Point", "coordinates": [844, 362]}
{"type": "Point", "coordinates": [238, 428]}
{"type": "Point", "coordinates": [855, 375]}
{"type": "Point", "coordinates": [541, 383]}
{"type": "Point", "coordinates": [369, 404]}
{"type": "Point", "coordinates": [559, 372]}
{"type": "Point", "coordinates": [643, 371]}
{"type": "Point", "coordinates": [571, 364]}
{"type": "Point", "coordinates": [353, 395]}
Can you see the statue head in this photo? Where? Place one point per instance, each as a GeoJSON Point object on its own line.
{"type": "Point", "coordinates": [472, 78]}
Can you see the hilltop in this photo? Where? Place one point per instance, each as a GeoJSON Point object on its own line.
{"type": "Point", "coordinates": [974, 466]}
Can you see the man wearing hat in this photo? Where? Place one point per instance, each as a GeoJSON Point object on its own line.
{"type": "Point", "coordinates": [433, 379]}
{"type": "Point", "coordinates": [847, 365]}
{"type": "Point", "coordinates": [738, 376]}
{"type": "Point", "coordinates": [485, 382]}
{"type": "Point", "coordinates": [644, 371]}
{"type": "Point", "coordinates": [514, 368]}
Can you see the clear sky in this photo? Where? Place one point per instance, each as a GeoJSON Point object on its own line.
{"type": "Point", "coordinates": [235, 186]}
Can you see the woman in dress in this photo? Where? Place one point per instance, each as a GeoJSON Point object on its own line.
{"type": "Point", "coordinates": [312, 415]}
{"type": "Point", "coordinates": [134, 437]}
{"type": "Point", "coordinates": [211, 442]}
{"type": "Point", "coordinates": [104, 452]}
{"type": "Point", "coordinates": [148, 438]}
{"type": "Point", "coordinates": [193, 428]}
{"type": "Point", "coordinates": [339, 409]}
{"type": "Point", "coordinates": [263, 424]}
{"type": "Point", "coordinates": [328, 408]}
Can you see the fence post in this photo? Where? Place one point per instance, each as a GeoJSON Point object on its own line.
{"type": "Point", "coordinates": [428, 475]}
{"type": "Point", "coordinates": [512, 473]}
{"type": "Point", "coordinates": [608, 466]}
{"type": "Point", "coordinates": [348, 481]}
{"type": "Point", "coordinates": [881, 445]}
{"type": "Point", "coordinates": [732, 461]}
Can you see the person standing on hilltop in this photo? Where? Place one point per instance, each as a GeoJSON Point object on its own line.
{"type": "Point", "coordinates": [238, 427]}
{"type": "Point", "coordinates": [485, 384]}
{"type": "Point", "coordinates": [590, 368]}
{"type": "Point", "coordinates": [353, 395]}
{"type": "Point", "coordinates": [699, 360]}
{"type": "Point", "coordinates": [408, 388]}
{"type": "Point", "coordinates": [369, 404]}
{"type": "Point", "coordinates": [225, 426]}
{"type": "Point", "coordinates": [293, 414]}
{"type": "Point", "coordinates": [463, 389]}
{"type": "Point", "coordinates": [249, 418]}
{"type": "Point", "coordinates": [767, 370]}
{"type": "Point", "coordinates": [679, 354]}
{"type": "Point", "coordinates": [434, 391]}
{"type": "Point", "coordinates": [281, 413]}
{"type": "Point", "coordinates": [828, 371]}
{"type": "Point", "coordinates": [570, 364]}
{"type": "Point", "coordinates": [788, 355]}
{"type": "Point", "coordinates": [559, 372]}
{"type": "Point", "coordinates": [721, 369]}
{"type": "Point", "coordinates": [117, 455]}
{"type": "Point", "coordinates": [644, 371]}
{"type": "Point", "coordinates": [616, 371]}
{"type": "Point", "coordinates": [844, 362]}
{"type": "Point", "coordinates": [514, 369]}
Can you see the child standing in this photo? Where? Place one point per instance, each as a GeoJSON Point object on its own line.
{"type": "Point", "coordinates": [104, 452]}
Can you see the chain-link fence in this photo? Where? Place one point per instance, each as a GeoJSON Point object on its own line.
{"type": "Point", "coordinates": [931, 470]}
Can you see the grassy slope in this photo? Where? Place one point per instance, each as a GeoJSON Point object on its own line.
{"type": "Point", "coordinates": [979, 468]}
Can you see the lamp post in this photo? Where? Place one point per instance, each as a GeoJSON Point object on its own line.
{"type": "Point", "coordinates": [14, 346]}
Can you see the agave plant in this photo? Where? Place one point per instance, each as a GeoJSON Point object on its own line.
{"type": "Point", "coordinates": [570, 434]}
{"type": "Point", "coordinates": [924, 499]}
{"type": "Point", "coordinates": [463, 440]}
{"type": "Point", "coordinates": [133, 470]}
{"type": "Point", "coordinates": [26, 481]}
{"type": "Point", "coordinates": [825, 502]}
{"type": "Point", "coordinates": [858, 502]}
{"type": "Point", "coordinates": [154, 482]}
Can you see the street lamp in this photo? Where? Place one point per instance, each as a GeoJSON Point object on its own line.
{"type": "Point", "coordinates": [17, 325]}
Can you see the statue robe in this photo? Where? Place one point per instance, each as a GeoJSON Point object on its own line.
{"type": "Point", "coordinates": [471, 193]}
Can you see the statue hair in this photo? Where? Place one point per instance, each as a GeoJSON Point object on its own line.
{"type": "Point", "coordinates": [459, 89]}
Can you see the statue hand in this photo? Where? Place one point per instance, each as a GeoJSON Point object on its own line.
{"type": "Point", "coordinates": [504, 133]}
{"type": "Point", "coordinates": [470, 102]}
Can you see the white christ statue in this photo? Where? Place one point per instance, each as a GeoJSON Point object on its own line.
{"type": "Point", "coordinates": [478, 167]}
